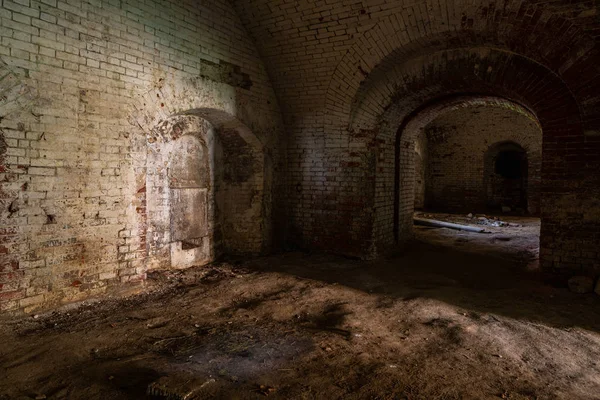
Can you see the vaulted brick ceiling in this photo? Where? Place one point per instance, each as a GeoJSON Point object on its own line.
{"type": "Point", "coordinates": [322, 54]}
{"type": "Point", "coordinates": [350, 74]}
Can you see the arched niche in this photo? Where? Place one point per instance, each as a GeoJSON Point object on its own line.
{"type": "Point", "coordinates": [505, 176]}
{"type": "Point", "coordinates": [204, 189]}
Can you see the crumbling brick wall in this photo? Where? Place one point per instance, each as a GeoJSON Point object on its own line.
{"type": "Point", "coordinates": [82, 86]}
{"type": "Point", "coordinates": [457, 177]}
{"type": "Point", "coordinates": [204, 192]}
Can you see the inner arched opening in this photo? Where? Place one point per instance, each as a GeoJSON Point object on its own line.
{"type": "Point", "coordinates": [474, 162]}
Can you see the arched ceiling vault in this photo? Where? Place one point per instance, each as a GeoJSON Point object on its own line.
{"type": "Point", "coordinates": [386, 101]}
{"type": "Point", "coordinates": [430, 112]}
{"type": "Point", "coordinates": [322, 54]}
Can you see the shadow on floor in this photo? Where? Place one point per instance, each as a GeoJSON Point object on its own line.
{"type": "Point", "coordinates": [479, 282]}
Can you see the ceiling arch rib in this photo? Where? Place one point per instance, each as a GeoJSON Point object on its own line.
{"type": "Point", "coordinates": [431, 111]}
{"type": "Point", "coordinates": [366, 65]}
{"type": "Point", "coordinates": [319, 53]}
{"type": "Point", "coordinates": [385, 102]}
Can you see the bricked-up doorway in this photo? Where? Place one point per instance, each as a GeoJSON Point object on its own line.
{"type": "Point", "coordinates": [205, 191]}
{"type": "Point", "coordinates": [505, 176]}
{"type": "Point", "coordinates": [189, 184]}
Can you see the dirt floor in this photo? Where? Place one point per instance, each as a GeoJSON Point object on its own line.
{"type": "Point", "coordinates": [456, 315]}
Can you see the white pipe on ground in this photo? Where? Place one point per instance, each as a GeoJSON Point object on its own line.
{"type": "Point", "coordinates": [442, 224]}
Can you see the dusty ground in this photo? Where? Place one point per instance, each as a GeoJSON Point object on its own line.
{"type": "Point", "coordinates": [455, 316]}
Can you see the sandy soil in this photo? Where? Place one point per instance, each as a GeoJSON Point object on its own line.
{"type": "Point", "coordinates": [456, 315]}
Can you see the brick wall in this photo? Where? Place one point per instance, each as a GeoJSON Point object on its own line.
{"type": "Point", "coordinates": [83, 85]}
{"type": "Point", "coordinates": [460, 166]}
{"type": "Point", "coordinates": [422, 161]}
{"type": "Point", "coordinates": [349, 74]}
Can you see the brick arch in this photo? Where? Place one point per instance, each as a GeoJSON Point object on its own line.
{"type": "Point", "coordinates": [568, 153]}
{"type": "Point", "coordinates": [420, 82]}
{"type": "Point", "coordinates": [483, 71]}
{"type": "Point", "coordinates": [545, 38]}
{"type": "Point", "coordinates": [403, 161]}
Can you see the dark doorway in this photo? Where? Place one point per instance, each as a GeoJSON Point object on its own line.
{"type": "Point", "coordinates": [506, 173]}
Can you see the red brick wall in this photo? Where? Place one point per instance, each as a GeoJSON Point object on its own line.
{"type": "Point", "coordinates": [349, 74]}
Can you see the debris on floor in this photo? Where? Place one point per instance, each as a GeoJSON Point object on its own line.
{"type": "Point", "coordinates": [581, 284]}
{"type": "Point", "coordinates": [444, 319]}
{"type": "Point", "coordinates": [478, 219]}
{"type": "Point", "coordinates": [265, 390]}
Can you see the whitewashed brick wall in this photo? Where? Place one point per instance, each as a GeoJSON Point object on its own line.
{"type": "Point", "coordinates": [81, 85]}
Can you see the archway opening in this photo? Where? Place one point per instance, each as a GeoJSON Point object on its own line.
{"type": "Point", "coordinates": [506, 175]}
{"type": "Point", "coordinates": [475, 162]}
